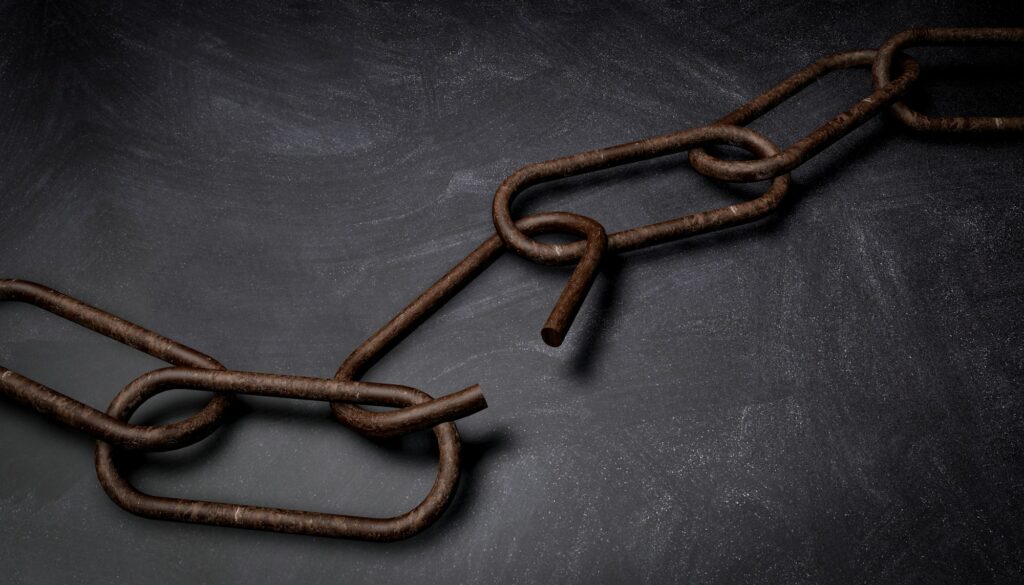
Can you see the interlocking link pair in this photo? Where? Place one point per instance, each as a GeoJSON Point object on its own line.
{"type": "Point", "coordinates": [413, 409]}
{"type": "Point", "coordinates": [770, 164]}
{"type": "Point", "coordinates": [198, 371]}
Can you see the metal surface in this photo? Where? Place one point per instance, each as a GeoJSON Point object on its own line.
{"type": "Point", "coordinates": [275, 519]}
{"type": "Point", "coordinates": [833, 130]}
{"type": "Point", "coordinates": [880, 71]}
{"type": "Point", "coordinates": [414, 409]}
{"type": "Point", "coordinates": [73, 413]}
{"type": "Point", "coordinates": [211, 375]}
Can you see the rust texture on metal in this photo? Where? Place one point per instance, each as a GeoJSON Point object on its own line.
{"type": "Point", "coordinates": [77, 415]}
{"type": "Point", "coordinates": [276, 519]}
{"type": "Point", "coordinates": [800, 151]}
{"type": "Point", "coordinates": [880, 72]}
{"type": "Point", "coordinates": [805, 148]}
{"type": "Point", "coordinates": [412, 409]}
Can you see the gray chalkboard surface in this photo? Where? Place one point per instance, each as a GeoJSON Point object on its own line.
{"type": "Point", "coordinates": [832, 395]}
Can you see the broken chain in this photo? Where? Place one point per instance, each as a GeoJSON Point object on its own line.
{"type": "Point", "coordinates": [412, 409]}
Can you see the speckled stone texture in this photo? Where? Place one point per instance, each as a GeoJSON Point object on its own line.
{"type": "Point", "coordinates": [831, 395]}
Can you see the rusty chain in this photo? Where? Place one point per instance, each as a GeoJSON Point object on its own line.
{"type": "Point", "coordinates": [413, 409]}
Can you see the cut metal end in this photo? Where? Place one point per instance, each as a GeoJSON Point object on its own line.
{"type": "Point", "coordinates": [472, 398]}
{"type": "Point", "coordinates": [552, 336]}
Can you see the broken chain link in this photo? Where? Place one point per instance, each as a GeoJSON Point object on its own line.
{"type": "Point", "coordinates": [413, 409]}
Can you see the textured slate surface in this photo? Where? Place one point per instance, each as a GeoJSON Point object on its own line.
{"type": "Point", "coordinates": [832, 395]}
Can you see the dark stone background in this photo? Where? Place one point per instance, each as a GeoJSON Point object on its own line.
{"type": "Point", "coordinates": [831, 395]}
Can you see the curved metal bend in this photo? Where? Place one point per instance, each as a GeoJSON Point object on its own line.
{"type": "Point", "coordinates": [407, 419]}
{"type": "Point", "coordinates": [202, 373]}
{"type": "Point", "coordinates": [582, 278]}
{"type": "Point", "coordinates": [276, 519]}
{"type": "Point", "coordinates": [75, 414]}
{"type": "Point", "coordinates": [810, 145]}
{"type": "Point", "coordinates": [418, 410]}
{"type": "Point", "coordinates": [946, 36]}
{"type": "Point", "coordinates": [648, 235]}
{"type": "Point", "coordinates": [363, 357]}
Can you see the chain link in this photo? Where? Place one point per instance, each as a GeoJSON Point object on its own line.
{"type": "Point", "coordinates": [414, 409]}
{"type": "Point", "coordinates": [946, 36]}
